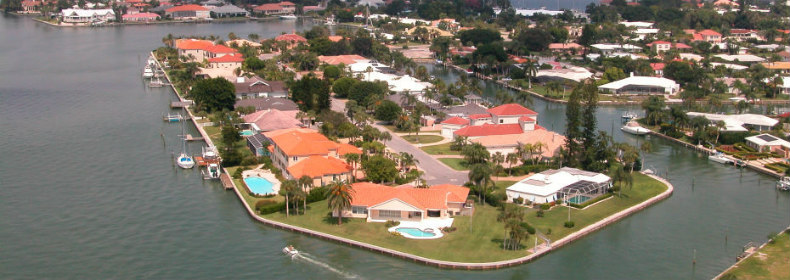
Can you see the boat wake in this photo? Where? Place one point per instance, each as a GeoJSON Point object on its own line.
{"type": "Point", "coordinates": [312, 260]}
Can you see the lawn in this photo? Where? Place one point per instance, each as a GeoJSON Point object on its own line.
{"type": "Point", "coordinates": [477, 238]}
{"type": "Point", "coordinates": [423, 139]}
{"type": "Point", "coordinates": [441, 149]}
{"type": "Point", "coordinates": [770, 262]}
{"type": "Point", "coordinates": [455, 163]}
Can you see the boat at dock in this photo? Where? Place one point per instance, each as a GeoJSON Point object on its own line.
{"type": "Point", "coordinates": [148, 72]}
{"type": "Point", "coordinates": [288, 17]}
{"type": "Point", "coordinates": [720, 158]}
{"type": "Point", "coordinates": [783, 184]}
{"type": "Point", "coordinates": [628, 116]}
{"type": "Point", "coordinates": [633, 127]}
{"type": "Point", "coordinates": [156, 83]}
{"type": "Point", "coordinates": [212, 171]}
{"type": "Point", "coordinates": [184, 160]}
{"type": "Point", "coordinates": [173, 117]}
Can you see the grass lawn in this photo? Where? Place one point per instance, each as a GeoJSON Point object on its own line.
{"type": "Point", "coordinates": [215, 133]}
{"type": "Point", "coordinates": [424, 139]}
{"type": "Point", "coordinates": [770, 262]}
{"type": "Point", "coordinates": [455, 163]}
{"type": "Point", "coordinates": [478, 238]}
{"type": "Point", "coordinates": [442, 149]}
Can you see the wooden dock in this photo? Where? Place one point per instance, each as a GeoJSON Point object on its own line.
{"type": "Point", "coordinates": [181, 104]}
{"type": "Point", "coordinates": [193, 138]}
{"type": "Point", "coordinates": [227, 182]}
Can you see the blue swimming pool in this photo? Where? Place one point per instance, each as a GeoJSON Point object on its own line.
{"type": "Point", "coordinates": [579, 199]}
{"type": "Point", "coordinates": [259, 186]}
{"type": "Point", "coordinates": [415, 232]}
{"type": "Point", "coordinates": [246, 133]}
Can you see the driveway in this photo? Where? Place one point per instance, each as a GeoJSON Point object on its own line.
{"type": "Point", "coordinates": [435, 171]}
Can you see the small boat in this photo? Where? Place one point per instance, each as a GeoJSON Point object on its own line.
{"type": "Point", "coordinates": [184, 160]}
{"type": "Point", "coordinates": [330, 20]}
{"type": "Point", "coordinates": [151, 61]}
{"type": "Point", "coordinates": [156, 82]}
{"type": "Point", "coordinates": [288, 17]}
{"type": "Point", "coordinates": [628, 116]}
{"type": "Point", "coordinates": [148, 72]}
{"type": "Point", "coordinates": [212, 171]}
{"type": "Point", "coordinates": [783, 184]}
{"type": "Point", "coordinates": [720, 158]}
{"type": "Point", "coordinates": [173, 118]}
{"type": "Point", "coordinates": [469, 71]}
{"type": "Point", "coordinates": [740, 163]}
{"type": "Point", "coordinates": [290, 250]}
{"type": "Point", "coordinates": [634, 128]}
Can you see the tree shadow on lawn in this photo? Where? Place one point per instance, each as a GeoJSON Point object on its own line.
{"type": "Point", "coordinates": [329, 219]}
{"type": "Point", "coordinates": [499, 242]}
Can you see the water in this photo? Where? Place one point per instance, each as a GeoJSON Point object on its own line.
{"type": "Point", "coordinates": [88, 189]}
{"type": "Point", "coordinates": [415, 232]}
{"type": "Point", "coordinates": [578, 199]}
{"type": "Point", "coordinates": [259, 185]}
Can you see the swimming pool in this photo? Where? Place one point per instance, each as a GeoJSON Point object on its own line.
{"type": "Point", "coordinates": [579, 199]}
{"type": "Point", "coordinates": [259, 186]}
{"type": "Point", "coordinates": [246, 133]}
{"type": "Point", "coordinates": [415, 232]}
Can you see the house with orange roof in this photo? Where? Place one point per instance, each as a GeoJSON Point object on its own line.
{"type": "Point", "coordinates": [379, 203]}
{"type": "Point", "coordinates": [298, 152]}
{"type": "Point", "coordinates": [228, 61]}
{"type": "Point", "coordinates": [186, 12]}
{"type": "Point", "coordinates": [281, 8]}
{"type": "Point", "coordinates": [565, 47]}
{"type": "Point", "coordinates": [335, 38]}
{"type": "Point", "coordinates": [501, 120]}
{"type": "Point", "coordinates": [193, 48]}
{"type": "Point", "coordinates": [346, 59]}
{"type": "Point", "coordinates": [31, 6]}
{"type": "Point", "coordinates": [663, 46]}
{"type": "Point", "coordinates": [658, 68]}
{"type": "Point", "coordinates": [706, 35]}
{"type": "Point", "coordinates": [292, 39]}
{"type": "Point", "coordinates": [505, 144]}
{"type": "Point", "coordinates": [198, 50]}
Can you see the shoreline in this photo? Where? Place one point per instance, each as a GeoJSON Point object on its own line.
{"type": "Point", "coordinates": [539, 251]}
{"type": "Point", "coordinates": [121, 24]}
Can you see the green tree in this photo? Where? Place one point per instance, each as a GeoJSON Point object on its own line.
{"type": "Point", "coordinates": [512, 216]}
{"type": "Point", "coordinates": [407, 160]}
{"type": "Point", "coordinates": [332, 72]}
{"type": "Point", "coordinates": [310, 93]}
{"type": "Point", "coordinates": [480, 176]}
{"type": "Point", "coordinates": [339, 198]}
{"type": "Point", "coordinates": [380, 169]}
{"type": "Point", "coordinates": [354, 160]}
{"type": "Point", "coordinates": [475, 153]}
{"type": "Point", "coordinates": [230, 135]}
{"type": "Point", "coordinates": [214, 94]}
{"type": "Point", "coordinates": [387, 111]}
{"type": "Point", "coordinates": [363, 92]}
{"type": "Point", "coordinates": [342, 86]}
{"type": "Point", "coordinates": [287, 188]}
{"type": "Point", "coordinates": [479, 36]}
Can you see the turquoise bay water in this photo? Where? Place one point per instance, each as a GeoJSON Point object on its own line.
{"type": "Point", "coordinates": [88, 189]}
{"type": "Point", "coordinates": [259, 185]}
{"type": "Point", "coordinates": [415, 232]}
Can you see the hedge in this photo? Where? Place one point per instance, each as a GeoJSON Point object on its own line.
{"type": "Point", "coordinates": [269, 206]}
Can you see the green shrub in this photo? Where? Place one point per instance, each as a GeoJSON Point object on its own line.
{"type": "Point", "coordinates": [237, 173]}
{"type": "Point", "coordinates": [548, 231]}
{"type": "Point", "coordinates": [569, 224]}
{"type": "Point", "coordinates": [545, 206]}
{"type": "Point", "coordinates": [316, 194]}
{"type": "Point", "coordinates": [496, 199]}
{"type": "Point", "coordinates": [539, 214]}
{"type": "Point", "coordinates": [268, 206]}
{"type": "Point", "coordinates": [249, 160]}
{"type": "Point", "coordinates": [530, 229]}
{"type": "Point", "coordinates": [518, 200]}
{"type": "Point", "coordinates": [448, 229]}
{"type": "Point", "coordinates": [744, 147]}
{"type": "Point", "coordinates": [391, 223]}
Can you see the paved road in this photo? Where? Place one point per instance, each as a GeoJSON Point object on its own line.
{"type": "Point", "coordinates": [435, 171]}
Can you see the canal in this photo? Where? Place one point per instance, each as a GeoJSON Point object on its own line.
{"type": "Point", "coordinates": [88, 190]}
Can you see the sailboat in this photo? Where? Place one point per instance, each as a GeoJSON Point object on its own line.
{"type": "Point", "coordinates": [184, 160]}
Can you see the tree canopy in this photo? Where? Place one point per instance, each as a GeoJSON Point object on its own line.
{"type": "Point", "coordinates": [479, 36]}
{"type": "Point", "coordinates": [379, 169]}
{"type": "Point", "coordinates": [310, 93]}
{"type": "Point", "coordinates": [387, 111]}
{"type": "Point", "coordinates": [214, 94]}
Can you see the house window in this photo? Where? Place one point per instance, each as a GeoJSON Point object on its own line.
{"type": "Point", "coordinates": [295, 158]}
{"type": "Point", "coordinates": [434, 213]}
{"type": "Point", "coordinates": [501, 121]}
{"type": "Point", "coordinates": [389, 213]}
{"type": "Point", "coordinates": [359, 210]}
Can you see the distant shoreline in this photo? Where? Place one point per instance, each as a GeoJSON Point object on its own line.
{"type": "Point", "coordinates": [118, 24]}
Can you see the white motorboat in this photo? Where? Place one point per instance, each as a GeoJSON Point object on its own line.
{"type": "Point", "coordinates": [783, 184]}
{"type": "Point", "coordinates": [288, 17]}
{"type": "Point", "coordinates": [290, 250]}
{"type": "Point", "coordinates": [720, 158]}
{"type": "Point", "coordinates": [172, 117]}
{"type": "Point", "coordinates": [148, 72]}
{"type": "Point", "coordinates": [634, 128]}
{"type": "Point", "coordinates": [151, 61]}
{"type": "Point", "coordinates": [212, 171]}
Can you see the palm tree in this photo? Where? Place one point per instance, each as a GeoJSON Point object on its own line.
{"type": "Point", "coordinates": [525, 152]}
{"type": "Point", "coordinates": [407, 160]}
{"type": "Point", "coordinates": [512, 158]}
{"type": "Point", "coordinates": [497, 159]}
{"type": "Point", "coordinates": [339, 198]}
{"type": "Point", "coordinates": [306, 183]}
{"type": "Point", "coordinates": [530, 69]}
{"type": "Point", "coordinates": [480, 175]}
{"type": "Point", "coordinates": [286, 189]}
{"type": "Point", "coordinates": [618, 175]}
{"type": "Point", "coordinates": [353, 159]}
{"type": "Point", "coordinates": [554, 87]}
{"type": "Point", "coordinates": [719, 126]}
{"type": "Point", "coordinates": [168, 40]}
{"type": "Point", "coordinates": [537, 148]}
{"type": "Point", "coordinates": [475, 153]}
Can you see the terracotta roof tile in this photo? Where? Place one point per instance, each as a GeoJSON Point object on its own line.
{"type": "Point", "coordinates": [479, 116]}
{"type": "Point", "coordinates": [511, 109]}
{"type": "Point", "coordinates": [220, 49]}
{"type": "Point", "coordinates": [318, 166]}
{"type": "Point", "coordinates": [456, 120]}
{"type": "Point", "coordinates": [290, 38]}
{"type": "Point", "coordinates": [231, 57]}
{"type": "Point", "coordinates": [184, 8]}
{"type": "Point", "coordinates": [489, 129]}
{"type": "Point", "coordinates": [435, 197]}
{"type": "Point", "coordinates": [193, 44]}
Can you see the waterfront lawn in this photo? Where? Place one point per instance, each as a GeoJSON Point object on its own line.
{"type": "Point", "coordinates": [424, 139]}
{"type": "Point", "coordinates": [455, 163]}
{"type": "Point", "coordinates": [554, 219]}
{"type": "Point", "coordinates": [770, 262]}
{"type": "Point", "coordinates": [441, 149]}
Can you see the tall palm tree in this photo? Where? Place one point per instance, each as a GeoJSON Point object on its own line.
{"type": "Point", "coordinates": [339, 198]}
{"type": "Point", "coordinates": [719, 126]}
{"type": "Point", "coordinates": [537, 148]}
{"type": "Point", "coordinates": [407, 160]}
{"type": "Point", "coordinates": [480, 175]}
{"type": "Point", "coordinates": [286, 189]}
{"type": "Point", "coordinates": [512, 158]}
{"type": "Point", "coordinates": [497, 159]}
{"type": "Point", "coordinates": [530, 69]}
{"type": "Point", "coordinates": [306, 183]}
{"type": "Point", "coordinates": [353, 159]}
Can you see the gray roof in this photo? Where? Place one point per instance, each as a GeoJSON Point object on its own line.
{"type": "Point", "coordinates": [465, 110]}
{"type": "Point", "coordinates": [229, 9]}
{"type": "Point", "coordinates": [266, 103]}
{"type": "Point", "coordinates": [258, 85]}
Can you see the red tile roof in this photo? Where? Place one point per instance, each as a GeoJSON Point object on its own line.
{"type": "Point", "coordinates": [456, 120]}
{"type": "Point", "coordinates": [511, 109]}
{"type": "Point", "coordinates": [141, 15]}
{"type": "Point", "coordinates": [184, 8]}
{"type": "Point", "coordinates": [193, 44]}
{"type": "Point", "coordinates": [231, 57]}
{"type": "Point", "coordinates": [287, 3]}
{"type": "Point", "coordinates": [479, 116]}
{"type": "Point", "coordinates": [290, 37]}
{"type": "Point", "coordinates": [657, 66]}
{"type": "Point", "coordinates": [296, 142]}
{"type": "Point", "coordinates": [269, 7]}
{"type": "Point", "coordinates": [318, 166]}
{"type": "Point", "coordinates": [709, 32]}
{"type": "Point", "coordinates": [337, 59]}
{"type": "Point", "coordinates": [335, 38]}
{"type": "Point", "coordinates": [526, 119]}
{"type": "Point", "coordinates": [220, 49]}
{"type": "Point", "coordinates": [343, 148]}
{"type": "Point", "coordinates": [682, 46]}
{"type": "Point", "coordinates": [742, 31]}
{"type": "Point", "coordinates": [434, 197]}
{"type": "Point", "coordinates": [489, 129]}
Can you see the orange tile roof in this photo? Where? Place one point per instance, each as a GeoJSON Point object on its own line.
{"type": "Point", "coordinates": [435, 197]}
{"type": "Point", "coordinates": [220, 49]}
{"type": "Point", "coordinates": [553, 141]}
{"type": "Point", "coordinates": [657, 66]}
{"type": "Point", "coordinates": [511, 109]}
{"type": "Point", "coordinates": [184, 8]}
{"type": "Point", "coordinates": [269, 7]}
{"type": "Point", "coordinates": [337, 59]}
{"type": "Point", "coordinates": [563, 46]}
{"type": "Point", "coordinates": [456, 120]}
{"type": "Point", "coordinates": [489, 129]}
{"type": "Point", "coordinates": [526, 119]}
{"type": "Point", "coordinates": [290, 38]}
{"type": "Point", "coordinates": [318, 166]}
{"type": "Point", "coordinates": [335, 38]}
{"type": "Point", "coordinates": [779, 65]}
{"type": "Point", "coordinates": [709, 32]}
{"type": "Point", "coordinates": [479, 116]}
{"type": "Point", "coordinates": [193, 44]}
{"type": "Point", "coordinates": [343, 148]}
{"type": "Point", "coordinates": [305, 142]}
{"type": "Point", "coordinates": [231, 57]}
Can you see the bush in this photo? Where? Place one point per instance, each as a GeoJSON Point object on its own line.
{"type": "Point", "coordinates": [237, 173]}
{"type": "Point", "coordinates": [569, 224]}
{"type": "Point", "coordinates": [250, 160]}
{"type": "Point", "coordinates": [268, 206]}
{"type": "Point", "coordinates": [518, 200]}
{"type": "Point", "coordinates": [316, 194]}
{"type": "Point", "coordinates": [496, 199]}
{"type": "Point", "coordinates": [530, 229]}
{"type": "Point", "coordinates": [545, 206]}
{"type": "Point", "coordinates": [539, 214]}
{"type": "Point", "coordinates": [391, 223]}
{"type": "Point", "coordinates": [448, 229]}
{"type": "Point", "coordinates": [395, 233]}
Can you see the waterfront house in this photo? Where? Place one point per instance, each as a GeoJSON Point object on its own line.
{"type": "Point", "coordinates": [31, 7]}
{"type": "Point", "coordinates": [281, 8]}
{"type": "Point", "coordinates": [265, 103]}
{"type": "Point", "coordinates": [663, 46]}
{"type": "Point", "coordinates": [292, 39]}
{"type": "Point", "coordinates": [82, 16]}
{"type": "Point", "coordinates": [641, 85]}
{"type": "Point", "coordinates": [141, 17]}
{"type": "Point", "coordinates": [227, 61]}
{"type": "Point", "coordinates": [509, 143]}
{"type": "Point", "coordinates": [257, 143]}
{"type": "Point", "coordinates": [573, 73]}
{"type": "Point", "coordinates": [706, 35]}
{"type": "Point", "coordinates": [187, 12]}
{"type": "Point", "coordinates": [744, 34]}
{"type": "Point", "coordinates": [767, 143]}
{"type": "Point", "coordinates": [272, 119]}
{"type": "Point", "coordinates": [501, 120]}
{"type": "Point", "coordinates": [378, 203]}
{"type": "Point", "coordinates": [569, 184]}
{"type": "Point", "coordinates": [298, 152]}
{"type": "Point", "coordinates": [739, 122]}
{"type": "Point", "coordinates": [258, 87]}
{"type": "Point", "coordinates": [193, 49]}
{"type": "Point", "coordinates": [452, 125]}
{"type": "Point", "coordinates": [658, 68]}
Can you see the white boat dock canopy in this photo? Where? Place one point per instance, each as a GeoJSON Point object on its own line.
{"type": "Point", "coordinates": [740, 122]}
{"type": "Point", "coordinates": [642, 85]}
{"type": "Point", "coordinates": [740, 57]}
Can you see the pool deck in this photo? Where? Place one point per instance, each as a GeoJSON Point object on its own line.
{"type": "Point", "coordinates": [265, 174]}
{"type": "Point", "coordinates": [539, 251]}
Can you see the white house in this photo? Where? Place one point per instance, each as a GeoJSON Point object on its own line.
{"type": "Point", "coordinates": [768, 143]}
{"type": "Point", "coordinates": [566, 183]}
{"type": "Point", "coordinates": [87, 16]}
{"type": "Point", "coordinates": [739, 122]}
{"type": "Point", "coordinates": [642, 85]}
